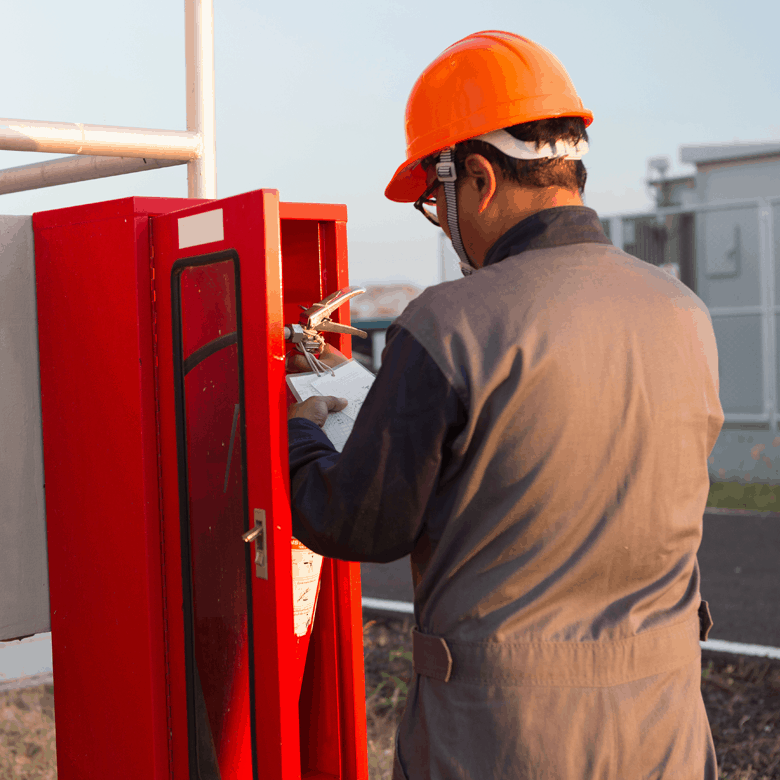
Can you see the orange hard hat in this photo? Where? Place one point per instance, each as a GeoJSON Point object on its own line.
{"type": "Point", "coordinates": [485, 82]}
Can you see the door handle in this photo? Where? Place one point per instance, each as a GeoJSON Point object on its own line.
{"type": "Point", "coordinates": [258, 536]}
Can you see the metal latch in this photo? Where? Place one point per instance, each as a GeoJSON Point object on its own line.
{"type": "Point", "coordinates": [259, 537]}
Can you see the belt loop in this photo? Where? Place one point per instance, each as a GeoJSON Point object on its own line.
{"type": "Point", "coordinates": [431, 656]}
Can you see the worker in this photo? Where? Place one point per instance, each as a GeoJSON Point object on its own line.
{"type": "Point", "coordinates": [537, 439]}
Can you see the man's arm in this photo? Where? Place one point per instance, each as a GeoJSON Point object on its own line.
{"type": "Point", "coordinates": [368, 502]}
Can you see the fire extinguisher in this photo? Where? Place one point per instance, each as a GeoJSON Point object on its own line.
{"type": "Point", "coordinates": [307, 565]}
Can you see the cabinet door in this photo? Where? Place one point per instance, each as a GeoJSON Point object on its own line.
{"type": "Point", "coordinates": [222, 408]}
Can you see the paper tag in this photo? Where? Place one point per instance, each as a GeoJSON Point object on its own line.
{"type": "Point", "coordinates": [306, 568]}
{"type": "Point", "coordinates": [204, 228]}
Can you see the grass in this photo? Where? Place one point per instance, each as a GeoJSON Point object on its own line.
{"type": "Point", "coordinates": [732, 495]}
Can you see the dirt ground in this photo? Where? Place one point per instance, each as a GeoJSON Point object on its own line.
{"type": "Point", "coordinates": [742, 696]}
{"type": "Point", "coordinates": [27, 734]}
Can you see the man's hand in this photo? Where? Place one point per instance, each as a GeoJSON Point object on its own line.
{"type": "Point", "coordinates": [330, 356]}
{"type": "Point", "coordinates": [317, 408]}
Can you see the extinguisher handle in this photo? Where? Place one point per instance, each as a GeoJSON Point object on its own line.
{"type": "Point", "coordinates": [318, 312]}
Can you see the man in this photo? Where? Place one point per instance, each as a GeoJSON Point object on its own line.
{"type": "Point", "coordinates": [537, 440]}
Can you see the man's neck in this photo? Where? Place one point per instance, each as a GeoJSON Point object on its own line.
{"type": "Point", "coordinates": [512, 205]}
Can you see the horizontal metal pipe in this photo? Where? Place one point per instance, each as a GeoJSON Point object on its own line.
{"type": "Point", "coordinates": [65, 170]}
{"type": "Point", "coordinates": [28, 135]}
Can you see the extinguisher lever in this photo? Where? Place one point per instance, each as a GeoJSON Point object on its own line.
{"type": "Point", "coordinates": [317, 320]}
{"type": "Point", "coordinates": [317, 313]}
{"type": "Point", "coordinates": [337, 327]}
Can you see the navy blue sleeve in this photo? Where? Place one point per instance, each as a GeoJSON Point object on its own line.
{"type": "Point", "coordinates": [368, 502]}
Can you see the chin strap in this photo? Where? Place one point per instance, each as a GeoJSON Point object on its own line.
{"type": "Point", "coordinates": [446, 173]}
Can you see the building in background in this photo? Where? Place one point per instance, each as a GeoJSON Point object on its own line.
{"type": "Point", "coordinates": [382, 303]}
{"type": "Point", "coordinates": [374, 311]}
{"type": "Point", "coordinates": [718, 230]}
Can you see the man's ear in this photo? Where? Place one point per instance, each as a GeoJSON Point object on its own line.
{"type": "Point", "coordinates": [483, 178]}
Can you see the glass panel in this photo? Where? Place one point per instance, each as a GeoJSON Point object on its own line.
{"type": "Point", "coordinates": [214, 522]}
{"type": "Point", "coordinates": [727, 257]}
{"type": "Point", "coordinates": [739, 359]}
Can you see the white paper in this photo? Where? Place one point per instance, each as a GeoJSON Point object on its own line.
{"type": "Point", "coordinates": [306, 567]}
{"type": "Point", "coordinates": [350, 381]}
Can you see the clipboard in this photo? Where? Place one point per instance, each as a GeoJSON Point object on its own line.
{"type": "Point", "coordinates": [349, 380]}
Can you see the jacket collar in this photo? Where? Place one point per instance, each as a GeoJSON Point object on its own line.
{"type": "Point", "coordinates": [558, 226]}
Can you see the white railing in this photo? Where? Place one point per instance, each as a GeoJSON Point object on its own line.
{"type": "Point", "coordinates": [101, 150]}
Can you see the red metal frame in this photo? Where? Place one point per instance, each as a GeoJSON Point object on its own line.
{"type": "Point", "coordinates": [112, 459]}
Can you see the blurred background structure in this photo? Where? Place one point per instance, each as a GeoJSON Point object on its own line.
{"type": "Point", "coordinates": [718, 230]}
{"type": "Point", "coordinates": [374, 311]}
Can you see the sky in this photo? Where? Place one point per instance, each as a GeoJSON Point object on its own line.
{"type": "Point", "coordinates": [310, 96]}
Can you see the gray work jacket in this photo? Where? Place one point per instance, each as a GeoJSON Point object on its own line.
{"type": "Point", "coordinates": [537, 438]}
{"type": "Point", "coordinates": [558, 608]}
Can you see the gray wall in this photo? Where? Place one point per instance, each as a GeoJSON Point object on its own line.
{"type": "Point", "coordinates": [24, 581]}
{"type": "Point", "coordinates": [733, 182]}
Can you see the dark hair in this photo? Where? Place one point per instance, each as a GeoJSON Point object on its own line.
{"type": "Point", "coordinates": [568, 174]}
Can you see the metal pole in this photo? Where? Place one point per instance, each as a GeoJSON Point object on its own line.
{"type": "Point", "coordinates": [30, 135]}
{"type": "Point", "coordinates": [65, 170]}
{"type": "Point", "coordinates": [106, 149]}
{"type": "Point", "coordinates": [201, 109]}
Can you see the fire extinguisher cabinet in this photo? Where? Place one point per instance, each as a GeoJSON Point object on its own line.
{"type": "Point", "coordinates": [178, 650]}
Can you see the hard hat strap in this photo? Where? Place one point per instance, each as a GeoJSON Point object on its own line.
{"type": "Point", "coordinates": [447, 174]}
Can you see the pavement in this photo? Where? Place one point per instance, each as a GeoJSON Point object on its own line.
{"type": "Point", "coordinates": [25, 662]}
{"type": "Point", "coordinates": [739, 559]}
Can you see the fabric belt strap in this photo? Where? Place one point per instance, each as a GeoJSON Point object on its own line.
{"type": "Point", "coordinates": [431, 656]}
{"type": "Point", "coordinates": [575, 664]}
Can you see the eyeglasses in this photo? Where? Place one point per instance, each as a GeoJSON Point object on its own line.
{"type": "Point", "coordinates": [426, 200]}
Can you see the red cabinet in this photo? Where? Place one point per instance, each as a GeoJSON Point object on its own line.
{"type": "Point", "coordinates": [164, 424]}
